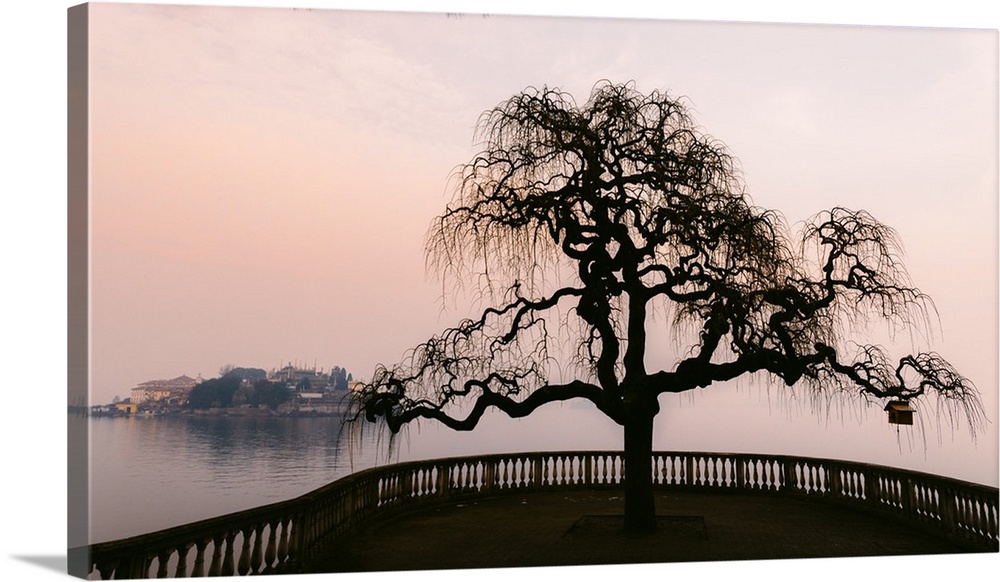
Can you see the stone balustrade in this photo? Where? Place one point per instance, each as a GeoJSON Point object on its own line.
{"type": "Point", "coordinates": [287, 537]}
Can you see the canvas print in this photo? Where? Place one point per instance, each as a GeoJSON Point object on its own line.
{"type": "Point", "coordinates": [358, 291]}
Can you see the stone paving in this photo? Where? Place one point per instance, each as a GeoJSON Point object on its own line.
{"type": "Point", "coordinates": [584, 528]}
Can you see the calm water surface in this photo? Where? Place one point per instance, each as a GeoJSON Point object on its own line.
{"type": "Point", "coordinates": [158, 472]}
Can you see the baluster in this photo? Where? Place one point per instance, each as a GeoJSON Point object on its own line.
{"type": "Point", "coordinates": [834, 486]}
{"type": "Point", "coordinates": [199, 559]}
{"type": "Point", "coordinates": [227, 560]}
{"type": "Point", "coordinates": [182, 551]}
{"type": "Point", "coordinates": [410, 482]}
{"type": "Point", "coordinates": [283, 541]}
{"type": "Point", "coordinates": [215, 569]}
{"type": "Point", "coordinates": [161, 565]}
{"type": "Point", "coordinates": [989, 524]}
{"type": "Point", "coordinates": [243, 564]}
{"type": "Point", "coordinates": [848, 484]}
{"type": "Point", "coordinates": [490, 477]}
{"type": "Point", "coordinates": [257, 556]}
{"type": "Point", "coordinates": [270, 552]}
{"type": "Point", "coordinates": [966, 511]}
{"type": "Point", "coordinates": [978, 517]}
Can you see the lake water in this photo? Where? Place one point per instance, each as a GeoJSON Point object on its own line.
{"type": "Point", "coordinates": [150, 473]}
{"type": "Point", "coordinates": [157, 472]}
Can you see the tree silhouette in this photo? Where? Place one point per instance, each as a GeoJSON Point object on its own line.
{"type": "Point", "coordinates": [583, 227]}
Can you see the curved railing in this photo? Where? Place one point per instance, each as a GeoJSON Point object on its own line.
{"type": "Point", "coordinates": [288, 536]}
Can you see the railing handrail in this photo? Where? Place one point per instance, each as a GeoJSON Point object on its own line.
{"type": "Point", "coordinates": [310, 522]}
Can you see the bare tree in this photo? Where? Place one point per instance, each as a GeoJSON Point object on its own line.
{"type": "Point", "coordinates": [583, 227]}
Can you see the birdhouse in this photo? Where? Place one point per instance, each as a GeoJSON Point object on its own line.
{"type": "Point", "coordinates": [899, 412]}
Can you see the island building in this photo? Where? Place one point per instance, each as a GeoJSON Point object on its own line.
{"type": "Point", "coordinates": [174, 389]}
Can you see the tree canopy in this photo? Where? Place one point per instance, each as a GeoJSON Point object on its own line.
{"type": "Point", "coordinates": [581, 227]}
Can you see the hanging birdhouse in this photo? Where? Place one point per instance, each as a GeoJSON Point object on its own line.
{"type": "Point", "coordinates": [899, 412]}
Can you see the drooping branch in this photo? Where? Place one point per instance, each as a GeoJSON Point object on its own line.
{"type": "Point", "coordinates": [575, 224]}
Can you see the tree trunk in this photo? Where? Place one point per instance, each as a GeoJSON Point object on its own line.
{"type": "Point", "coordinates": [640, 508]}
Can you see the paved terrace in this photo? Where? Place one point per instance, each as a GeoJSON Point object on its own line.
{"type": "Point", "coordinates": [584, 528]}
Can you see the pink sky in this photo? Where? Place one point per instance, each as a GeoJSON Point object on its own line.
{"type": "Point", "coordinates": [262, 180]}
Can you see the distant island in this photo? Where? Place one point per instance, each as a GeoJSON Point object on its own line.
{"type": "Point", "coordinates": [288, 391]}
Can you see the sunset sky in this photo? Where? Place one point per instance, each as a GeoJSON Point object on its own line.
{"type": "Point", "coordinates": [262, 180]}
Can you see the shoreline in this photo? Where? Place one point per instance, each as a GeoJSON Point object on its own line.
{"type": "Point", "coordinates": [335, 410]}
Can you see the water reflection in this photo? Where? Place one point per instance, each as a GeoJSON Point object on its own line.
{"type": "Point", "coordinates": [153, 473]}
